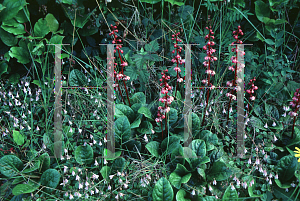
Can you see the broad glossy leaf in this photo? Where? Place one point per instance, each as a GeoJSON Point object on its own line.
{"type": "Point", "coordinates": [170, 143]}
{"type": "Point", "coordinates": [180, 195]}
{"type": "Point", "coordinates": [219, 171]}
{"type": "Point", "coordinates": [179, 176]}
{"type": "Point", "coordinates": [52, 23]}
{"type": "Point", "coordinates": [124, 110]}
{"type": "Point", "coordinates": [77, 78]}
{"type": "Point", "coordinates": [84, 154]}
{"type": "Point", "coordinates": [45, 161]}
{"type": "Point", "coordinates": [163, 190]}
{"type": "Point", "coordinates": [41, 29]}
{"type": "Point", "coordinates": [145, 111]}
{"type": "Point", "coordinates": [10, 165]}
{"type": "Point", "coordinates": [261, 10]}
{"type": "Point", "coordinates": [25, 188]}
{"type": "Point", "coordinates": [18, 137]}
{"type": "Point", "coordinates": [12, 8]}
{"type": "Point", "coordinates": [286, 167]}
{"type": "Point", "coordinates": [105, 171]}
{"type": "Point", "coordinates": [230, 195]}
{"type": "Point", "coordinates": [199, 147]}
{"type": "Point", "coordinates": [50, 178]}
{"type": "Point", "coordinates": [7, 38]}
{"type": "Point", "coordinates": [122, 130]}
{"type": "Point", "coordinates": [3, 68]}
{"type": "Point", "coordinates": [138, 97]}
{"type": "Point", "coordinates": [153, 148]}
{"type": "Point", "coordinates": [21, 54]}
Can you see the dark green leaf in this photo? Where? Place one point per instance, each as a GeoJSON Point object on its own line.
{"type": "Point", "coordinates": [153, 46]}
{"type": "Point", "coordinates": [50, 178]}
{"type": "Point", "coordinates": [84, 154]}
{"type": "Point", "coordinates": [163, 190]}
{"type": "Point", "coordinates": [153, 148]}
{"type": "Point", "coordinates": [122, 130]}
{"type": "Point", "coordinates": [10, 165]}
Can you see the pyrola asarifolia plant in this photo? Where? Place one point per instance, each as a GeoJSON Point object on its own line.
{"type": "Point", "coordinates": [166, 100]}
{"type": "Point", "coordinates": [207, 63]}
{"type": "Point", "coordinates": [235, 68]}
{"type": "Point", "coordinates": [296, 105]}
{"type": "Point", "coordinates": [251, 91]}
{"type": "Point", "coordinates": [121, 75]}
{"type": "Point", "coordinates": [177, 59]}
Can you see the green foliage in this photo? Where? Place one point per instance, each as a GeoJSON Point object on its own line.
{"type": "Point", "coordinates": [10, 165]}
{"type": "Point", "coordinates": [162, 190]}
{"type": "Point", "coordinates": [50, 178]}
{"type": "Point", "coordinates": [84, 154]}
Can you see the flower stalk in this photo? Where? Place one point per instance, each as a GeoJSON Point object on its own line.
{"type": "Point", "coordinates": [121, 75]}
{"type": "Point", "coordinates": [177, 59]}
{"type": "Point", "coordinates": [295, 104]}
{"type": "Point", "coordinates": [234, 68]}
{"type": "Point", "coordinates": [209, 59]}
{"type": "Point", "coordinates": [166, 100]}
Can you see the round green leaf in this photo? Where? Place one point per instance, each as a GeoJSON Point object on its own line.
{"type": "Point", "coordinates": [286, 167]}
{"type": "Point", "coordinates": [3, 68]}
{"type": "Point", "coordinates": [45, 162]}
{"type": "Point", "coordinates": [20, 53]}
{"type": "Point", "coordinates": [145, 111]}
{"type": "Point", "coordinates": [25, 188]}
{"type": "Point", "coordinates": [230, 195]}
{"type": "Point", "coordinates": [52, 23]}
{"type": "Point", "coordinates": [138, 97]}
{"type": "Point", "coordinates": [9, 165]}
{"type": "Point", "coordinates": [50, 178]}
{"type": "Point", "coordinates": [199, 147]}
{"type": "Point", "coordinates": [180, 195]}
{"type": "Point", "coordinates": [163, 190]}
{"type": "Point", "coordinates": [122, 130]}
{"type": "Point", "coordinates": [153, 148]}
{"type": "Point", "coordinates": [105, 171]}
{"type": "Point", "coordinates": [219, 171]}
{"type": "Point", "coordinates": [8, 38]}
{"type": "Point", "coordinates": [84, 154]}
{"type": "Point", "coordinates": [41, 29]}
{"type": "Point", "coordinates": [12, 8]}
{"type": "Point", "coordinates": [18, 137]}
{"type": "Point", "coordinates": [124, 110]}
{"type": "Point", "coordinates": [77, 78]}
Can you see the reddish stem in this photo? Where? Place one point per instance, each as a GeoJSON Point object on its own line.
{"type": "Point", "coordinates": [207, 95]}
{"type": "Point", "coordinates": [234, 84]}
{"type": "Point", "coordinates": [295, 116]}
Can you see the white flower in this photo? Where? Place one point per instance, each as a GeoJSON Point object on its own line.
{"type": "Point", "coordinates": [145, 137]}
{"type": "Point", "coordinates": [232, 187]}
{"type": "Point", "coordinates": [80, 186]}
{"type": "Point", "coordinates": [109, 187]}
{"type": "Point", "coordinates": [214, 182]}
{"type": "Point", "coordinates": [274, 124]}
{"type": "Point", "coordinates": [111, 176]}
{"type": "Point", "coordinates": [71, 197]}
{"type": "Point", "coordinates": [193, 192]}
{"type": "Point", "coordinates": [73, 173]}
{"type": "Point", "coordinates": [266, 125]}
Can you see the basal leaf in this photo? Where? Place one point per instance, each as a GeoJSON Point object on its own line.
{"type": "Point", "coordinates": [153, 148]}
{"type": "Point", "coordinates": [84, 154]}
{"type": "Point", "coordinates": [50, 178]}
{"type": "Point", "coordinates": [10, 165]}
{"type": "Point", "coordinates": [122, 130]}
{"type": "Point", "coordinates": [163, 190]}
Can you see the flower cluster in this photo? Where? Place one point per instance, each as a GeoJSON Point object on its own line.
{"type": "Point", "coordinates": [167, 100]}
{"type": "Point", "coordinates": [251, 90]}
{"type": "Point", "coordinates": [209, 57]}
{"type": "Point", "coordinates": [120, 75]}
{"type": "Point", "coordinates": [295, 103]}
{"type": "Point", "coordinates": [177, 58]}
{"type": "Point", "coordinates": [235, 68]}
